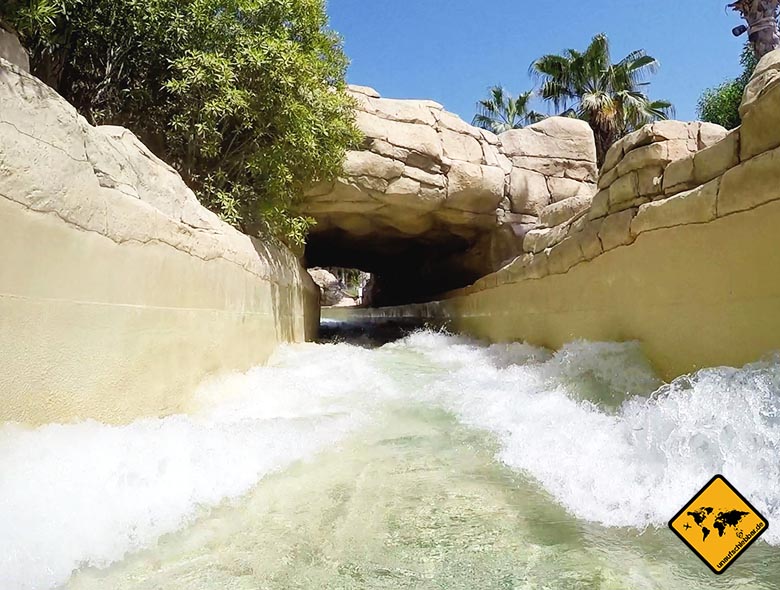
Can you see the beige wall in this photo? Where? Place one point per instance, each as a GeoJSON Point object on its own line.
{"type": "Point", "coordinates": [94, 329]}
{"type": "Point", "coordinates": [695, 296]}
{"type": "Point", "coordinates": [119, 293]}
{"type": "Point", "coordinates": [680, 250]}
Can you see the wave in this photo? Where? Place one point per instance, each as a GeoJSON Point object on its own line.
{"type": "Point", "coordinates": [590, 423]}
{"type": "Point", "coordinates": [598, 430]}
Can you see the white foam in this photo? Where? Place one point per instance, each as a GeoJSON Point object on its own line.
{"type": "Point", "coordinates": [87, 494]}
{"type": "Point", "coordinates": [613, 451]}
{"type": "Point", "coordinates": [589, 423]}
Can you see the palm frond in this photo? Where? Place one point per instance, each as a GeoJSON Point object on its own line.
{"type": "Point", "coordinates": [501, 111]}
{"type": "Point", "coordinates": [605, 94]}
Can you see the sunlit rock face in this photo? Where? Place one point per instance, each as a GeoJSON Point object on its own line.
{"type": "Point", "coordinates": [12, 51]}
{"type": "Point", "coordinates": [430, 203]}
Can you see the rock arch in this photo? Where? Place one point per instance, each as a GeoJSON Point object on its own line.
{"type": "Point", "coordinates": [430, 203]}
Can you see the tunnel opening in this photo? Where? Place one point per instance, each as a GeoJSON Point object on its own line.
{"type": "Point", "coordinates": [429, 204]}
{"type": "Point", "coordinates": [397, 270]}
{"type": "Point", "coordinates": [341, 286]}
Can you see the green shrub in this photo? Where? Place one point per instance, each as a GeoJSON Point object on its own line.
{"type": "Point", "coordinates": [246, 98]}
{"type": "Point", "coordinates": [721, 104]}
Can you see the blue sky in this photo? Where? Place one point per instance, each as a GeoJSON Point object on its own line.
{"type": "Point", "coordinates": [452, 51]}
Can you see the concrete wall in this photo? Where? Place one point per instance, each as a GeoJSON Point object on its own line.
{"type": "Point", "coordinates": [680, 250]}
{"type": "Point", "coordinates": [695, 296]}
{"type": "Point", "coordinates": [119, 293]}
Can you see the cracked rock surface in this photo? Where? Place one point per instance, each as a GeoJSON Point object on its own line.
{"type": "Point", "coordinates": [435, 203]}
{"type": "Point", "coordinates": [104, 180]}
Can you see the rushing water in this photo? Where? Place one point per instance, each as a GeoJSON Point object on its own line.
{"type": "Point", "coordinates": [433, 462]}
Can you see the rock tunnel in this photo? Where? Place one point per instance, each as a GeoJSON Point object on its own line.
{"type": "Point", "coordinates": [430, 203]}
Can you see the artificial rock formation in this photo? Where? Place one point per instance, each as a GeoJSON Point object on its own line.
{"type": "Point", "coordinates": [435, 203]}
{"type": "Point", "coordinates": [119, 292]}
{"type": "Point", "coordinates": [11, 50]}
{"type": "Point", "coordinates": [679, 250]}
{"type": "Point", "coordinates": [332, 290]}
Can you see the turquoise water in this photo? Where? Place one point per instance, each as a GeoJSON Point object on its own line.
{"type": "Point", "coordinates": [432, 462]}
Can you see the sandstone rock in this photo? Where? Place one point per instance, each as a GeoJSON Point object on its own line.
{"type": "Point", "coordinates": [579, 223]}
{"type": "Point", "coordinates": [370, 164]}
{"type": "Point", "coordinates": [710, 134]}
{"type": "Point", "coordinates": [411, 225]}
{"type": "Point", "coordinates": [639, 138]}
{"type": "Point", "coordinates": [554, 137]}
{"type": "Point", "coordinates": [518, 268]}
{"type": "Point", "coordinates": [370, 184]}
{"type": "Point", "coordinates": [655, 154]}
{"type": "Point", "coordinates": [332, 292]}
{"type": "Point", "coordinates": [114, 277]}
{"type": "Point", "coordinates": [614, 154]}
{"type": "Point", "coordinates": [760, 130]}
{"type": "Point", "coordinates": [422, 139]}
{"type": "Point", "coordinates": [459, 146]}
{"type": "Point", "coordinates": [750, 184]}
{"type": "Point", "coordinates": [427, 182]}
{"type": "Point", "coordinates": [110, 149]}
{"type": "Point", "coordinates": [679, 176]}
{"type": "Point", "coordinates": [589, 241]}
{"type": "Point", "coordinates": [346, 192]}
{"type": "Point", "coordinates": [492, 157]}
{"type": "Point", "coordinates": [475, 188]}
{"type": "Point", "coordinates": [566, 188]}
{"type": "Point", "coordinates": [565, 255]}
{"type": "Point", "coordinates": [713, 161]}
{"type": "Point", "coordinates": [363, 90]}
{"type": "Point", "coordinates": [405, 111]}
{"type": "Point", "coordinates": [102, 179]}
{"type": "Point", "coordinates": [489, 137]}
{"type": "Point", "coordinates": [517, 218]}
{"type": "Point", "coordinates": [12, 51]}
{"type": "Point", "coordinates": [474, 222]}
{"type": "Point", "coordinates": [670, 130]}
{"type": "Point", "coordinates": [632, 204]}
{"type": "Point", "coordinates": [766, 76]}
{"type": "Point", "coordinates": [406, 194]}
{"type": "Point", "coordinates": [655, 132]}
{"type": "Point", "coordinates": [540, 239]}
{"type": "Point", "coordinates": [650, 181]}
{"type": "Point", "coordinates": [625, 188]}
{"type": "Point", "coordinates": [426, 178]}
{"type": "Point", "coordinates": [616, 230]}
{"type": "Point", "coordinates": [581, 170]}
{"type": "Point", "coordinates": [426, 163]}
{"type": "Point", "coordinates": [388, 150]}
{"type": "Point", "coordinates": [607, 178]}
{"type": "Point", "coordinates": [539, 266]}
{"type": "Point", "coordinates": [677, 149]}
{"type": "Point", "coordinates": [563, 211]}
{"type": "Point", "coordinates": [358, 225]}
{"type": "Point", "coordinates": [323, 208]}
{"type": "Point", "coordinates": [454, 123]}
{"type": "Point", "coordinates": [404, 186]}
{"type": "Point", "coordinates": [600, 205]}
{"type": "Point", "coordinates": [694, 206]}
{"type": "Point", "coordinates": [321, 189]}
{"type": "Point", "coordinates": [528, 191]}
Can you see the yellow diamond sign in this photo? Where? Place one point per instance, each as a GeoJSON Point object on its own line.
{"type": "Point", "coordinates": [718, 524]}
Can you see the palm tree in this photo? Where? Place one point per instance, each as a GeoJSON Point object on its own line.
{"type": "Point", "coordinates": [501, 111]}
{"type": "Point", "coordinates": [761, 17]}
{"type": "Point", "coordinates": [608, 96]}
